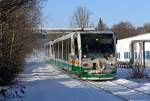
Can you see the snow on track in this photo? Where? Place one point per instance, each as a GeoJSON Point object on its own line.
{"type": "Point", "coordinates": [125, 89]}
{"type": "Point", "coordinates": [49, 83]}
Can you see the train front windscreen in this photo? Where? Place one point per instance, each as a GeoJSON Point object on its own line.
{"type": "Point", "coordinates": [98, 50]}
{"type": "Point", "coordinates": [95, 45]}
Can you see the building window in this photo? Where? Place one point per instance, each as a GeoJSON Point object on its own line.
{"type": "Point", "coordinates": [126, 55]}
{"type": "Point", "coordinates": [135, 55]}
{"type": "Point", "coordinates": [118, 55]}
{"type": "Point", "coordinates": [147, 54]}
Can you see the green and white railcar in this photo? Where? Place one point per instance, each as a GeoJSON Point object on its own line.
{"type": "Point", "coordinates": [90, 55]}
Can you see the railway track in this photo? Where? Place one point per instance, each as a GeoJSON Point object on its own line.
{"type": "Point", "coordinates": [119, 90]}
{"type": "Point", "coordinates": [101, 88]}
{"type": "Point", "coordinates": [132, 88]}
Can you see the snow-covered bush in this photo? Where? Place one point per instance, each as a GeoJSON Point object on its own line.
{"type": "Point", "coordinates": [137, 70]}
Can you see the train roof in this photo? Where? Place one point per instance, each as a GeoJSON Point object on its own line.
{"type": "Point", "coordinates": [81, 32]}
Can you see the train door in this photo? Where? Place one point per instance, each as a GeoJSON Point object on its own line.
{"type": "Point", "coordinates": [78, 48]}
{"type": "Point", "coordinates": [75, 50]}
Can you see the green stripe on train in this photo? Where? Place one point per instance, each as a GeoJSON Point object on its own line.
{"type": "Point", "coordinates": [82, 72]}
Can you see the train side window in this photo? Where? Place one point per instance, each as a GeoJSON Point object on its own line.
{"type": "Point", "coordinates": [55, 50]}
{"type": "Point", "coordinates": [69, 45]}
{"type": "Point", "coordinates": [135, 55]}
{"type": "Point", "coordinates": [64, 49]}
{"type": "Point", "coordinates": [60, 50]}
{"type": "Point", "coordinates": [76, 47]}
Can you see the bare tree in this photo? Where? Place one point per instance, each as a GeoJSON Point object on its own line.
{"type": "Point", "coordinates": [147, 28]}
{"type": "Point", "coordinates": [18, 21]}
{"type": "Point", "coordinates": [80, 18]}
{"type": "Point", "coordinates": [124, 30]}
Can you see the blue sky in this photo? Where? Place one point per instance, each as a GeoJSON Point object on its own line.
{"type": "Point", "coordinates": [56, 13]}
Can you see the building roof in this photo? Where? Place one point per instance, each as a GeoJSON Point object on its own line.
{"type": "Point", "coordinates": [145, 36]}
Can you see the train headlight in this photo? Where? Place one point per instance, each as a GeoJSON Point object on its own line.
{"type": "Point", "coordinates": [113, 64]}
{"type": "Point", "coordinates": [84, 56]}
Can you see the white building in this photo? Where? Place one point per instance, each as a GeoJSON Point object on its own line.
{"type": "Point", "coordinates": [124, 50]}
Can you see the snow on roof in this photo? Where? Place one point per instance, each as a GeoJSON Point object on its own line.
{"type": "Point", "coordinates": [145, 36]}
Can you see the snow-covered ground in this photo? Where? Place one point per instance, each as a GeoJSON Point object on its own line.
{"type": "Point", "coordinates": [45, 82]}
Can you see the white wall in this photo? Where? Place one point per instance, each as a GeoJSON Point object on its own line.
{"type": "Point", "coordinates": [123, 45]}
